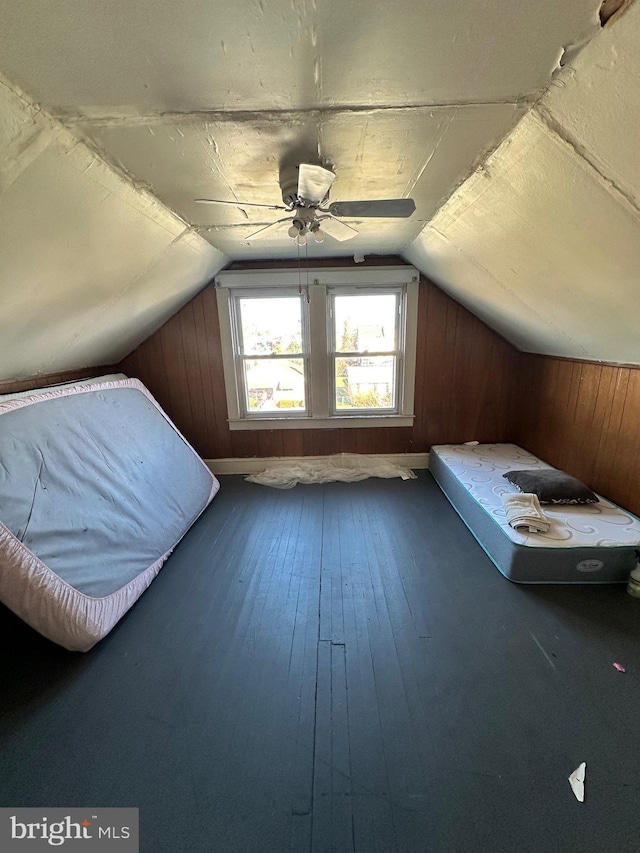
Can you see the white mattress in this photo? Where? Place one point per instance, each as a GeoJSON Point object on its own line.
{"type": "Point", "coordinates": [479, 468]}
{"type": "Point", "coordinates": [96, 380]}
{"type": "Point", "coordinates": [97, 486]}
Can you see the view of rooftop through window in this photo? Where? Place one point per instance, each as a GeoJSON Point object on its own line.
{"type": "Point", "coordinates": [364, 333]}
{"type": "Point", "coordinates": [271, 332]}
{"type": "Point", "coordinates": [365, 323]}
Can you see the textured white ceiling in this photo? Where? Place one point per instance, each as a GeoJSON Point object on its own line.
{"type": "Point", "coordinates": [422, 153]}
{"type": "Point", "coordinates": [543, 242]}
{"type": "Point", "coordinates": [89, 266]}
{"type": "Point", "coordinates": [404, 99]}
{"type": "Point", "coordinates": [123, 57]}
{"type": "Point", "coordinates": [210, 97]}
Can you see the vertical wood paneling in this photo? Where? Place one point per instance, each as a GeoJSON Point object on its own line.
{"type": "Point", "coordinates": [583, 417]}
{"type": "Point", "coordinates": [215, 419]}
{"type": "Point", "coordinates": [448, 359]}
{"type": "Point", "coordinates": [470, 384]}
{"type": "Point", "coordinates": [628, 454]}
{"type": "Point", "coordinates": [220, 442]}
{"type": "Point", "coordinates": [174, 352]}
{"type": "Point", "coordinates": [155, 364]}
{"type": "Point", "coordinates": [612, 406]}
{"type": "Point", "coordinates": [590, 415]}
{"type": "Point", "coordinates": [193, 372]}
{"type": "Point", "coordinates": [244, 444]}
{"type": "Point", "coordinates": [424, 348]}
{"type": "Point", "coordinates": [619, 405]}
{"type": "Point", "coordinates": [465, 377]}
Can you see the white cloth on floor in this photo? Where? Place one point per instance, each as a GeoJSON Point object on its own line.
{"type": "Point", "coordinates": [341, 467]}
{"type": "Point", "coordinates": [523, 510]}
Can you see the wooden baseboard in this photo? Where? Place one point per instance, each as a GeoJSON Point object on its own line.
{"type": "Point", "coordinates": [253, 464]}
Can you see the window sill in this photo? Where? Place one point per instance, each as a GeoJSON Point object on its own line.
{"type": "Point", "coordinates": [345, 422]}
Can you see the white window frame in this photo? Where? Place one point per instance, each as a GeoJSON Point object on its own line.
{"type": "Point", "coordinates": [319, 284]}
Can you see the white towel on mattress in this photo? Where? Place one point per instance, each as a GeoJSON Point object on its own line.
{"type": "Point", "coordinates": [523, 510]}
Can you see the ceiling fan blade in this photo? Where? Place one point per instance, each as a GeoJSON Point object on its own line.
{"type": "Point", "coordinates": [314, 182]}
{"type": "Point", "coordinates": [268, 230]}
{"type": "Point", "coordinates": [240, 203]}
{"type": "Point", "coordinates": [389, 207]}
{"type": "Point", "coordinates": [336, 229]}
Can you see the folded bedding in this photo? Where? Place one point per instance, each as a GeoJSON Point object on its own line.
{"type": "Point", "coordinates": [524, 512]}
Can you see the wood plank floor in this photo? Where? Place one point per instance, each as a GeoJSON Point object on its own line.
{"type": "Point", "coordinates": [337, 668]}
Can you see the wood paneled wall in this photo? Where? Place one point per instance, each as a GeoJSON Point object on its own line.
{"type": "Point", "coordinates": [583, 417]}
{"type": "Point", "coordinates": [465, 377]}
{"type": "Point", "coordinates": [471, 384]}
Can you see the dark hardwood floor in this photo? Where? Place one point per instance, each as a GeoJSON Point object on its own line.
{"type": "Point", "coordinates": [337, 668]}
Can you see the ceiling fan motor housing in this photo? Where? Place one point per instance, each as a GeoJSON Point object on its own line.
{"type": "Point", "coordinates": [289, 185]}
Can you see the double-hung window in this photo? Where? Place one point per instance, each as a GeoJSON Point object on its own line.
{"type": "Point", "coordinates": [271, 351]}
{"type": "Point", "coordinates": [322, 348]}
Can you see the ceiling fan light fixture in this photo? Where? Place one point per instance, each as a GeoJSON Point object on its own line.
{"type": "Point", "coordinates": [305, 189]}
{"type": "Point", "coordinates": [298, 231]}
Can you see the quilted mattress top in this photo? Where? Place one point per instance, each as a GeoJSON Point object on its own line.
{"type": "Point", "coordinates": [480, 467]}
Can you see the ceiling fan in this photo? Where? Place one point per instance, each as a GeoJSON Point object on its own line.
{"type": "Point", "coordinates": [305, 193]}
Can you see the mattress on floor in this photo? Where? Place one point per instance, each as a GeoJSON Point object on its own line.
{"type": "Point", "coordinates": [593, 543]}
{"type": "Point", "coordinates": [97, 487]}
{"type": "Point", "coordinates": [94, 380]}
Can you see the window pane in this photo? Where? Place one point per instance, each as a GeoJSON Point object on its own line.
{"type": "Point", "coordinates": [271, 326]}
{"type": "Point", "coordinates": [365, 323]}
{"type": "Point", "coordinates": [274, 384]}
{"type": "Point", "coordinates": [366, 383]}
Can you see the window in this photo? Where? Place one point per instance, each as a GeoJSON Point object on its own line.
{"type": "Point", "coordinates": [321, 348]}
{"type": "Point", "coordinates": [271, 351]}
{"type": "Point", "coordinates": [365, 334]}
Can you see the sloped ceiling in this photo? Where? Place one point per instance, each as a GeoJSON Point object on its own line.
{"type": "Point", "coordinates": [89, 265]}
{"type": "Point", "coordinates": [177, 101]}
{"type": "Point", "coordinates": [543, 241]}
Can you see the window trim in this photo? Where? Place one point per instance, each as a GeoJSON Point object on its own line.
{"type": "Point", "coordinates": [319, 281]}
